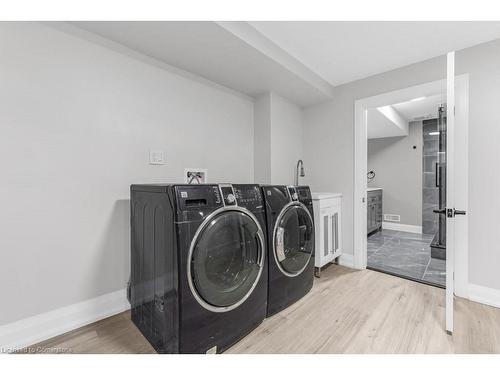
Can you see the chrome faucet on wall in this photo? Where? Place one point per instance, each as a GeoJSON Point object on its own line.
{"type": "Point", "coordinates": [302, 174]}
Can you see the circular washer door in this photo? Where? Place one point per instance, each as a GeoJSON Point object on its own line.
{"type": "Point", "coordinates": [226, 259]}
{"type": "Point", "coordinates": [293, 239]}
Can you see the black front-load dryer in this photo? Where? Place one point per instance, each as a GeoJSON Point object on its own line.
{"type": "Point", "coordinates": [290, 232]}
{"type": "Point", "coordinates": [199, 269]}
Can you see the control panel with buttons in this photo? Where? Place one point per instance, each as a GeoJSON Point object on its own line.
{"type": "Point", "coordinates": [249, 196]}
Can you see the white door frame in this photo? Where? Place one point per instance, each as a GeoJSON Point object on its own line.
{"type": "Point", "coordinates": [360, 167]}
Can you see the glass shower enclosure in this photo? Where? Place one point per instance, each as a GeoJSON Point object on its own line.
{"type": "Point", "coordinates": [438, 245]}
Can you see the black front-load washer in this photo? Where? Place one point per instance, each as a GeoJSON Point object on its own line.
{"type": "Point", "coordinates": [290, 232]}
{"type": "Point", "coordinates": [199, 269]}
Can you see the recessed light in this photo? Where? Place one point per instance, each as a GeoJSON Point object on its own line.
{"type": "Point", "coordinates": [434, 133]}
{"type": "Point", "coordinates": [417, 99]}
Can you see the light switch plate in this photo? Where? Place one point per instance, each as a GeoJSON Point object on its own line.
{"type": "Point", "coordinates": [156, 157]}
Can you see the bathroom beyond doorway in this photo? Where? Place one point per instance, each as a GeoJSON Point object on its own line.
{"type": "Point", "coordinates": [407, 255]}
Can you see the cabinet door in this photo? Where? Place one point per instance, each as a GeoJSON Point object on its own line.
{"type": "Point", "coordinates": [372, 217]}
{"type": "Point", "coordinates": [333, 223]}
{"type": "Point", "coordinates": [328, 254]}
{"type": "Point", "coordinates": [327, 235]}
{"type": "Point", "coordinates": [335, 231]}
{"type": "Point", "coordinates": [338, 252]}
{"type": "Point", "coordinates": [375, 216]}
{"type": "Point", "coordinates": [324, 238]}
{"type": "Point", "coordinates": [369, 221]}
{"type": "Point", "coordinates": [336, 236]}
{"type": "Point", "coordinates": [369, 218]}
{"type": "Point", "coordinates": [380, 214]}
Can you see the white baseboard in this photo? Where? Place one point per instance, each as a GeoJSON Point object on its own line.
{"type": "Point", "coordinates": [402, 227]}
{"type": "Point", "coordinates": [484, 295]}
{"type": "Point", "coordinates": [347, 260]}
{"type": "Point", "coordinates": [32, 330]}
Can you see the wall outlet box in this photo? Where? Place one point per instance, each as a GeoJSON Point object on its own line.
{"type": "Point", "coordinates": [156, 157]}
{"type": "Point", "coordinates": [195, 175]}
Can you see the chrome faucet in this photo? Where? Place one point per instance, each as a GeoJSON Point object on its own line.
{"type": "Point", "coordinates": [302, 174]}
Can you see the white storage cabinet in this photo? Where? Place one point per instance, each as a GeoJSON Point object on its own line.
{"type": "Point", "coordinates": [328, 234]}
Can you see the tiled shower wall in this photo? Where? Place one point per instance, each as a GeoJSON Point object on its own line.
{"type": "Point", "coordinates": [430, 197]}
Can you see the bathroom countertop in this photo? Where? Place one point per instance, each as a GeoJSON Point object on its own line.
{"type": "Point", "coordinates": [373, 189]}
{"type": "Point", "coordinates": [323, 195]}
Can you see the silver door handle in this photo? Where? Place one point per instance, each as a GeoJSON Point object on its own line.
{"type": "Point", "coordinates": [451, 212]}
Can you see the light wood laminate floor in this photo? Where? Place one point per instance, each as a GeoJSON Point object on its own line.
{"type": "Point", "coordinates": [347, 311]}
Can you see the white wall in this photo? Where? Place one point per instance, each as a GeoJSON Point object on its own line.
{"type": "Point", "coordinates": [262, 137]}
{"type": "Point", "coordinates": [328, 150]}
{"type": "Point", "coordinates": [278, 139]}
{"type": "Point", "coordinates": [286, 140]}
{"type": "Point", "coordinates": [398, 170]}
{"type": "Point", "coordinates": [483, 65]}
{"type": "Point", "coordinates": [329, 146]}
{"type": "Point", "coordinates": [77, 122]}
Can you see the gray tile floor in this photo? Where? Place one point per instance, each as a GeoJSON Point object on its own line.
{"type": "Point", "coordinates": [406, 254]}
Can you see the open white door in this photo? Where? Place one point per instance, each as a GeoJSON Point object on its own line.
{"type": "Point", "coordinates": [455, 159]}
{"type": "Point", "coordinates": [448, 159]}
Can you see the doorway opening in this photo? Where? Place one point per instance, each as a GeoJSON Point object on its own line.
{"type": "Point", "coordinates": [406, 189]}
{"type": "Point", "coordinates": [460, 252]}
{"type": "Point", "coordinates": [457, 98]}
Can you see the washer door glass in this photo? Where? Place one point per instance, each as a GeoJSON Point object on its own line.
{"type": "Point", "coordinates": [294, 240]}
{"type": "Point", "coordinates": [225, 262]}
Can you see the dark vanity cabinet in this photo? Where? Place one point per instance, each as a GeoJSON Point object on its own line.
{"type": "Point", "coordinates": [374, 210]}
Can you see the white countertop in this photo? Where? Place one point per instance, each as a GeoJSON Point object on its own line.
{"type": "Point", "coordinates": [373, 189]}
{"type": "Point", "coordinates": [323, 195]}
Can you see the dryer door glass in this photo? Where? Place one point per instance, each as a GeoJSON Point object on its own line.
{"type": "Point", "coordinates": [227, 259]}
{"type": "Point", "coordinates": [294, 240]}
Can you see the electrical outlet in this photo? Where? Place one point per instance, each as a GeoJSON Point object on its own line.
{"type": "Point", "coordinates": [156, 157]}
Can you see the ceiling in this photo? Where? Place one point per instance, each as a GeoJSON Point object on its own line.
{"type": "Point", "coordinates": [424, 108]}
{"type": "Point", "coordinates": [382, 125]}
{"type": "Point", "coordinates": [215, 52]}
{"type": "Point", "coordinates": [342, 52]}
{"type": "Point", "coordinates": [299, 60]}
